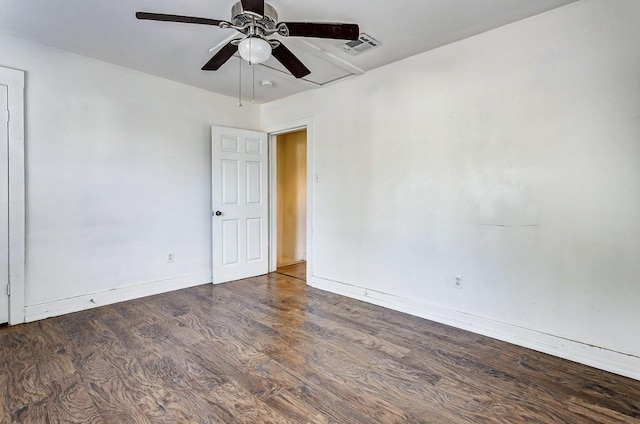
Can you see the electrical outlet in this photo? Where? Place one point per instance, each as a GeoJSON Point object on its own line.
{"type": "Point", "coordinates": [170, 257]}
{"type": "Point", "coordinates": [457, 281]}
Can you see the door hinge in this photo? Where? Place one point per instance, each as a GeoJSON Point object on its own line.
{"type": "Point", "coordinates": [7, 116]}
{"type": "Point", "coordinates": [8, 289]}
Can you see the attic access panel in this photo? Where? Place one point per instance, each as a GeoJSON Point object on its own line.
{"type": "Point", "coordinates": [325, 67]}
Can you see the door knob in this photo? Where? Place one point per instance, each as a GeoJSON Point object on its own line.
{"type": "Point", "coordinates": [218, 213]}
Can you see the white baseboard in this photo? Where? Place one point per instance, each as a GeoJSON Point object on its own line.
{"type": "Point", "coordinates": [107, 297]}
{"type": "Point", "coordinates": [594, 356]}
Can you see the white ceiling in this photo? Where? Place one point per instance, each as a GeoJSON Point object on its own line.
{"type": "Point", "coordinates": [108, 30]}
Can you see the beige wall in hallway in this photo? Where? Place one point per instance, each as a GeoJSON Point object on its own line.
{"type": "Point", "coordinates": [292, 196]}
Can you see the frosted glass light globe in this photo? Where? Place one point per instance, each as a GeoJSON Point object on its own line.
{"type": "Point", "coordinates": [254, 50]}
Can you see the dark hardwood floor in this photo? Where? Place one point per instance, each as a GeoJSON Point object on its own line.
{"type": "Point", "coordinates": [272, 350]}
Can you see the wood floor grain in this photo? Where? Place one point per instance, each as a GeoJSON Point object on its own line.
{"type": "Point", "coordinates": [272, 350]}
{"type": "Point", "coordinates": [297, 270]}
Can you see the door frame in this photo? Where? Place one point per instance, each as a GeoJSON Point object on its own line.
{"type": "Point", "coordinates": [14, 80]}
{"type": "Point", "coordinates": [273, 132]}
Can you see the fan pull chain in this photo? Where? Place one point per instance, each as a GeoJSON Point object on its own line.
{"type": "Point", "coordinates": [239, 82]}
{"type": "Point", "coordinates": [253, 84]}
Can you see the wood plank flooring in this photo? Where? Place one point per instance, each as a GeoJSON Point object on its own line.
{"type": "Point", "coordinates": [272, 350]}
{"type": "Point", "coordinates": [298, 270]}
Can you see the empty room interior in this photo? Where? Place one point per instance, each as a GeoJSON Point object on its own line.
{"type": "Point", "coordinates": [320, 212]}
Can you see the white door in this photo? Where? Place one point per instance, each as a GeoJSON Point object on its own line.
{"type": "Point", "coordinates": [4, 205]}
{"type": "Point", "coordinates": [239, 162]}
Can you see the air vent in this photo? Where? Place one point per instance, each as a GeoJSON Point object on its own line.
{"type": "Point", "coordinates": [362, 44]}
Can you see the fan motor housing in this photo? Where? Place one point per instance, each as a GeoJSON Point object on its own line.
{"type": "Point", "coordinates": [240, 17]}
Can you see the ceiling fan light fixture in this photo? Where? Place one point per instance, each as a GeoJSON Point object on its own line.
{"type": "Point", "coordinates": [255, 50]}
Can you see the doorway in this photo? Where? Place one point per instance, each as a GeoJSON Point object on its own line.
{"type": "Point", "coordinates": [238, 158]}
{"type": "Point", "coordinates": [291, 203]}
{"type": "Point", "coordinates": [4, 206]}
{"type": "Point", "coordinates": [12, 214]}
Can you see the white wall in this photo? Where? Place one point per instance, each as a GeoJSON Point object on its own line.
{"type": "Point", "coordinates": [511, 158]}
{"type": "Point", "coordinates": [118, 176]}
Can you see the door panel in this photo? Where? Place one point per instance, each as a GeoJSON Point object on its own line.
{"type": "Point", "coordinates": [239, 192]}
{"type": "Point", "coordinates": [4, 206]}
{"type": "Point", "coordinates": [230, 242]}
{"type": "Point", "coordinates": [254, 183]}
{"type": "Point", "coordinates": [254, 239]}
{"type": "Point", "coordinates": [230, 177]}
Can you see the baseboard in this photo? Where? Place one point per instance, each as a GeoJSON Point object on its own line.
{"type": "Point", "coordinates": [594, 356]}
{"type": "Point", "coordinates": [107, 297]}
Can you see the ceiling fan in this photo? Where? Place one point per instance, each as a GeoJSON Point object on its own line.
{"type": "Point", "coordinates": [257, 20]}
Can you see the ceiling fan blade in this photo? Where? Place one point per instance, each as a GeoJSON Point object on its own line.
{"type": "Point", "coordinates": [253, 6]}
{"type": "Point", "coordinates": [220, 58]}
{"type": "Point", "coordinates": [337, 31]}
{"type": "Point", "coordinates": [177, 18]}
{"type": "Point", "coordinates": [290, 61]}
